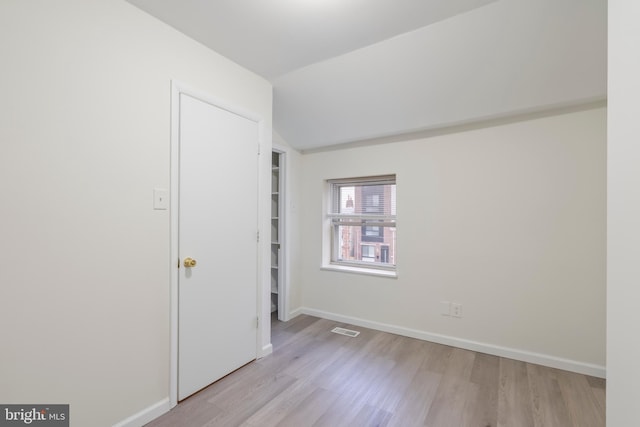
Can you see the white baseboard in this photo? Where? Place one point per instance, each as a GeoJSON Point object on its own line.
{"type": "Point", "coordinates": [496, 350]}
{"type": "Point", "coordinates": [295, 313]}
{"type": "Point", "coordinates": [147, 415]}
{"type": "Point", "coordinates": [266, 350]}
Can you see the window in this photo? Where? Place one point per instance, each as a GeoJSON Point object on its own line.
{"type": "Point", "coordinates": [368, 253]}
{"type": "Point", "coordinates": [362, 221]}
{"type": "Point", "coordinates": [384, 253]}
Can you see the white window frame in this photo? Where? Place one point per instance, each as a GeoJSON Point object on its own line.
{"type": "Point", "coordinates": [333, 220]}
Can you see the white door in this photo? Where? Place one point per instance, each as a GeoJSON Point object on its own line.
{"type": "Point", "coordinates": [218, 222]}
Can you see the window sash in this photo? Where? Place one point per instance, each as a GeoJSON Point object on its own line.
{"type": "Point", "coordinates": [337, 184]}
{"type": "Point", "coordinates": [335, 257]}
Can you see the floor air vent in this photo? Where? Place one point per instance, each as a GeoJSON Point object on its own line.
{"type": "Point", "coordinates": [347, 332]}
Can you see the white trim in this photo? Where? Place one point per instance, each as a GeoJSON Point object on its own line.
{"type": "Point", "coordinates": [182, 88]}
{"type": "Point", "coordinates": [371, 271]}
{"type": "Point", "coordinates": [174, 257]}
{"type": "Point", "coordinates": [263, 284]}
{"type": "Point", "coordinates": [369, 180]}
{"type": "Point", "coordinates": [266, 350]}
{"type": "Point", "coordinates": [295, 313]}
{"type": "Point", "coordinates": [496, 350]}
{"type": "Point", "coordinates": [147, 415]}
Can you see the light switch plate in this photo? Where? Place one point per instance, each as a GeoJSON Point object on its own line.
{"type": "Point", "coordinates": [160, 199]}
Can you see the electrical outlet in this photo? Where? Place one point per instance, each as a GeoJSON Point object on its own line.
{"type": "Point", "coordinates": [456, 309]}
{"type": "Point", "coordinates": [445, 308]}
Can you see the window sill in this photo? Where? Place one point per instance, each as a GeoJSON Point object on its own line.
{"type": "Point", "coordinates": [392, 274]}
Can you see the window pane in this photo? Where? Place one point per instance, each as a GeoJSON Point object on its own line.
{"type": "Point", "coordinates": [347, 196]}
{"type": "Point", "coordinates": [373, 199]}
{"type": "Point", "coordinates": [372, 233]}
{"type": "Point", "coordinates": [353, 246]}
{"type": "Point", "coordinates": [365, 199]}
{"type": "Point", "coordinates": [368, 253]}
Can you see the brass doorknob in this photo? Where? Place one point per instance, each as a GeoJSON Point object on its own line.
{"type": "Point", "coordinates": [189, 262]}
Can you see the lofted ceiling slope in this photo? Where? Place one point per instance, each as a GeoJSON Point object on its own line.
{"type": "Point", "coordinates": [348, 71]}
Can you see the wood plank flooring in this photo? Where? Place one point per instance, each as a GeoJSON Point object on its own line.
{"type": "Point", "coordinates": [316, 378]}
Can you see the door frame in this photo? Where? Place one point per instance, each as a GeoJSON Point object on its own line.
{"type": "Point", "coordinates": [263, 288]}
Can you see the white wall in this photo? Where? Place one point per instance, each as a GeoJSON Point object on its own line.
{"type": "Point", "coordinates": [623, 228]}
{"type": "Point", "coordinates": [508, 221]}
{"type": "Point", "coordinates": [84, 259]}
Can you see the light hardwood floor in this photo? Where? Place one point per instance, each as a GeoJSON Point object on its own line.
{"type": "Point", "coordinates": [318, 378]}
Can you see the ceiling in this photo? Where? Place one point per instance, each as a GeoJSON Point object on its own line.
{"type": "Point", "coordinates": [348, 71]}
